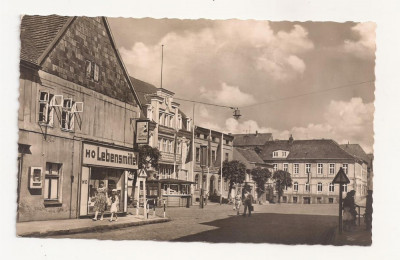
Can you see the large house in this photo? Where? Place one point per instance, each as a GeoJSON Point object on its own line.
{"type": "Point", "coordinates": [75, 129]}
{"type": "Point", "coordinates": [313, 164]}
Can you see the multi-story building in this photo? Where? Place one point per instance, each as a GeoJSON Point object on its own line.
{"type": "Point", "coordinates": [219, 147]}
{"type": "Point", "coordinates": [313, 164]}
{"type": "Point", "coordinates": [170, 132]}
{"type": "Point", "coordinates": [76, 101]}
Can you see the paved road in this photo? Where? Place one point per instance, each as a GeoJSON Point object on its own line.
{"type": "Point", "coordinates": [305, 224]}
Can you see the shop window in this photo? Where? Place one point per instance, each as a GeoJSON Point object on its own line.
{"type": "Point", "coordinates": [294, 199]}
{"type": "Point", "coordinates": [46, 109]}
{"type": "Point", "coordinates": [67, 115]}
{"type": "Point", "coordinates": [52, 182]}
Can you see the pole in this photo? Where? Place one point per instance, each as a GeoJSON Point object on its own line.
{"type": "Point", "coordinates": [222, 152]}
{"type": "Point", "coordinates": [154, 208]}
{"type": "Point", "coordinates": [164, 209]}
{"type": "Point", "coordinates": [201, 189]}
{"type": "Point", "coordinates": [162, 61]}
{"type": "Point", "coordinates": [193, 148]}
{"type": "Point", "coordinates": [340, 208]}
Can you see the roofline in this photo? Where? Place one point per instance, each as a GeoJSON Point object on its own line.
{"type": "Point", "coordinates": [58, 36]}
{"type": "Point", "coordinates": [121, 62]}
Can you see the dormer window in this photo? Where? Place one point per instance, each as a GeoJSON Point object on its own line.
{"type": "Point", "coordinates": [275, 154]}
{"type": "Point", "coordinates": [280, 154]}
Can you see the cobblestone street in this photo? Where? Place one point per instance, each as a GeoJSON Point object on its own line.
{"type": "Point", "coordinates": [305, 224]}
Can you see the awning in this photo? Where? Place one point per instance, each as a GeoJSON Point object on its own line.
{"type": "Point", "coordinates": [170, 181]}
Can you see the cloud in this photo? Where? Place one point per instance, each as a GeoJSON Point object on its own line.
{"type": "Point", "coordinates": [350, 121]}
{"type": "Point", "coordinates": [223, 49]}
{"type": "Point", "coordinates": [365, 46]}
{"type": "Point", "coordinates": [228, 96]}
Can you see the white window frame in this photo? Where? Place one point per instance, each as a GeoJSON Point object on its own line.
{"type": "Point", "coordinates": [319, 187]}
{"type": "Point", "coordinates": [275, 167]}
{"type": "Point", "coordinates": [346, 168]}
{"type": "Point", "coordinates": [68, 115]}
{"type": "Point", "coordinates": [45, 103]}
{"type": "Point", "coordinates": [296, 167]}
{"type": "Point", "coordinates": [331, 187]}
{"type": "Point", "coordinates": [286, 167]}
{"type": "Point", "coordinates": [307, 168]}
{"type": "Point", "coordinates": [284, 154]}
{"type": "Point", "coordinates": [331, 169]}
{"type": "Point", "coordinates": [275, 154]}
{"type": "Point", "coordinates": [296, 186]}
{"type": "Point", "coordinates": [49, 176]}
{"type": "Point", "coordinates": [320, 168]}
{"type": "Point", "coordinates": [344, 187]}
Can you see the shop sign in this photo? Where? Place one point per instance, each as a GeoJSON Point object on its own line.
{"type": "Point", "coordinates": [104, 156]}
{"type": "Point", "coordinates": [142, 132]}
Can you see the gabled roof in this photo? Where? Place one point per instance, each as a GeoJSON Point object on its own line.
{"type": "Point", "coordinates": [143, 89]}
{"type": "Point", "coordinates": [249, 154]}
{"type": "Point", "coordinates": [305, 149]}
{"type": "Point", "coordinates": [257, 139]}
{"type": "Point", "coordinates": [356, 151]}
{"type": "Point", "coordinates": [37, 33]}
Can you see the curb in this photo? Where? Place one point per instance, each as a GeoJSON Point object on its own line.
{"type": "Point", "coordinates": [93, 228]}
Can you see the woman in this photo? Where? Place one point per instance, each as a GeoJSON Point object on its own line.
{"type": "Point", "coordinates": [349, 210]}
{"type": "Point", "coordinates": [237, 204]}
{"type": "Point", "coordinates": [248, 203]}
{"type": "Point", "coordinates": [100, 201]}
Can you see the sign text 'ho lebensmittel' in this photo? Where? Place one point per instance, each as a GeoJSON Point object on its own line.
{"type": "Point", "coordinates": [104, 156]}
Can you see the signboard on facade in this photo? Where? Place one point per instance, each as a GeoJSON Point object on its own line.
{"type": "Point", "coordinates": [142, 132]}
{"type": "Point", "coordinates": [105, 156]}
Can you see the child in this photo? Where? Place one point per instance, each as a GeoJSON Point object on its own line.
{"type": "Point", "coordinates": [114, 205]}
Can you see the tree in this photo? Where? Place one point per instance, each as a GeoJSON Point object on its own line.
{"type": "Point", "coordinates": [148, 158]}
{"type": "Point", "coordinates": [235, 172]}
{"type": "Point", "coordinates": [260, 176]}
{"type": "Point", "coordinates": [282, 180]}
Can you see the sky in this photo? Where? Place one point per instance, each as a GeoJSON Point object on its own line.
{"type": "Point", "coordinates": [266, 69]}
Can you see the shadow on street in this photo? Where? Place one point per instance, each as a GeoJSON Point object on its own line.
{"type": "Point", "coordinates": [268, 228]}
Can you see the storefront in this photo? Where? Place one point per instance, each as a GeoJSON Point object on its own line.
{"type": "Point", "coordinates": [110, 166]}
{"type": "Point", "coordinates": [175, 192]}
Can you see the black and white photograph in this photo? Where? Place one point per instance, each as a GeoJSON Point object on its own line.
{"type": "Point", "coordinates": [209, 130]}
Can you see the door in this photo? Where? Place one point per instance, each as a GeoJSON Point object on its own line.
{"type": "Point", "coordinates": [83, 211]}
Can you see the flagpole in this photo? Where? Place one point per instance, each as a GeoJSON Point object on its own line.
{"type": "Point", "coordinates": [193, 148]}
{"type": "Point", "coordinates": [222, 149]}
{"type": "Point", "coordinates": [162, 61]}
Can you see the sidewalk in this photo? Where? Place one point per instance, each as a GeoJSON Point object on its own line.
{"type": "Point", "coordinates": [357, 237]}
{"type": "Point", "coordinates": [73, 226]}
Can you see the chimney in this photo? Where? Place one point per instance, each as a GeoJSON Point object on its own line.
{"type": "Point", "coordinates": [290, 139]}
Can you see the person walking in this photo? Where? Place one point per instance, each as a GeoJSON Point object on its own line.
{"type": "Point", "coordinates": [100, 201]}
{"type": "Point", "coordinates": [114, 205]}
{"type": "Point", "coordinates": [237, 203]}
{"type": "Point", "coordinates": [349, 211]}
{"type": "Point", "coordinates": [248, 203]}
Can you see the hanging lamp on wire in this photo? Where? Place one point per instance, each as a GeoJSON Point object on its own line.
{"type": "Point", "coordinates": [236, 113]}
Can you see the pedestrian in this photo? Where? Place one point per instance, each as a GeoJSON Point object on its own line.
{"type": "Point", "coordinates": [100, 201]}
{"type": "Point", "coordinates": [114, 205]}
{"type": "Point", "coordinates": [349, 211]}
{"type": "Point", "coordinates": [248, 203]}
{"type": "Point", "coordinates": [237, 203]}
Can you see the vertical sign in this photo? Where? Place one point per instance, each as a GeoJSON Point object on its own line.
{"type": "Point", "coordinates": [142, 132]}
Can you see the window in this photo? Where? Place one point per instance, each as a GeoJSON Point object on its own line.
{"type": "Point", "coordinates": [284, 154]}
{"type": "Point", "coordinates": [67, 115]}
{"type": "Point", "coordinates": [296, 186]}
{"type": "Point", "coordinates": [330, 200]}
{"type": "Point", "coordinates": [213, 156]}
{"type": "Point", "coordinates": [45, 109]}
{"type": "Point", "coordinates": [52, 182]}
{"type": "Point", "coordinates": [294, 199]}
{"type": "Point", "coordinates": [345, 187]}
{"type": "Point", "coordinates": [197, 154]}
{"type": "Point", "coordinates": [345, 168]}
{"type": "Point", "coordinates": [319, 200]}
{"type": "Point", "coordinates": [285, 167]}
{"type": "Point", "coordinates": [160, 118]}
{"type": "Point", "coordinates": [160, 144]}
{"type": "Point", "coordinates": [296, 168]}
{"type": "Point", "coordinates": [196, 180]}
{"type": "Point", "coordinates": [275, 167]}
{"type": "Point", "coordinates": [92, 71]}
{"type": "Point", "coordinates": [307, 187]}
{"type": "Point", "coordinates": [170, 146]}
{"type": "Point", "coordinates": [331, 187]}
{"type": "Point", "coordinates": [319, 187]}
{"type": "Point", "coordinates": [165, 146]}
{"type": "Point", "coordinates": [275, 154]}
{"type": "Point", "coordinates": [179, 148]}
{"type": "Point", "coordinates": [166, 122]}
{"type": "Point", "coordinates": [320, 168]}
{"type": "Point", "coordinates": [331, 168]}
{"type": "Point", "coordinates": [171, 121]}
{"type": "Point", "coordinates": [308, 167]}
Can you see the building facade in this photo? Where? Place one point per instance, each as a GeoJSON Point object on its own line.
{"type": "Point", "coordinates": [312, 165]}
{"type": "Point", "coordinates": [76, 104]}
